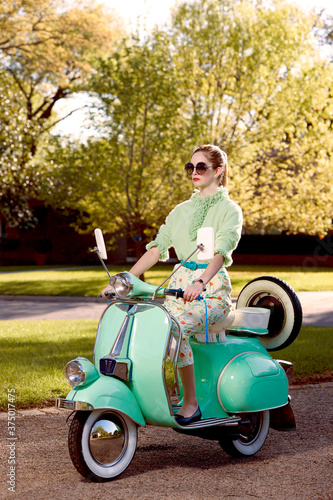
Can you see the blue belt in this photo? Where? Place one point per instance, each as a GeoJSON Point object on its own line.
{"type": "Point", "coordinates": [193, 265]}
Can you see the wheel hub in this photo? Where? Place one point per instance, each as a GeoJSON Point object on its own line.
{"type": "Point", "coordinates": [249, 427]}
{"type": "Point", "coordinates": [273, 303]}
{"type": "Point", "coordinates": [107, 440]}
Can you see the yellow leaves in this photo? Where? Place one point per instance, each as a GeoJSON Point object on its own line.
{"type": "Point", "coordinates": [268, 102]}
{"type": "Point", "coordinates": [56, 37]}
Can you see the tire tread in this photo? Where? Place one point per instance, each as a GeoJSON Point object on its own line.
{"type": "Point", "coordinates": [74, 447]}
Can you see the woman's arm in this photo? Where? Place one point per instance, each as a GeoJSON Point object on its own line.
{"type": "Point", "coordinates": [193, 291]}
{"type": "Point", "coordinates": [148, 260]}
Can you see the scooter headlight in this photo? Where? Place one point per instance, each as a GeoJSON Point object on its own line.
{"type": "Point", "coordinates": [74, 373]}
{"type": "Point", "coordinates": [122, 284]}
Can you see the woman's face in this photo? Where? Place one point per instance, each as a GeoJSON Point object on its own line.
{"type": "Point", "coordinates": [210, 177]}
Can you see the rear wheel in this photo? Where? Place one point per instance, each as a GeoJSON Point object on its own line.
{"type": "Point", "coordinates": [286, 310]}
{"type": "Point", "coordinates": [102, 443]}
{"type": "Point", "coordinates": [253, 430]}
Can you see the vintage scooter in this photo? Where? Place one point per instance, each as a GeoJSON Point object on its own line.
{"type": "Point", "coordinates": [241, 390]}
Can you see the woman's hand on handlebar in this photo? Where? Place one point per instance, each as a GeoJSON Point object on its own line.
{"type": "Point", "coordinates": [108, 288]}
{"type": "Point", "coordinates": [192, 292]}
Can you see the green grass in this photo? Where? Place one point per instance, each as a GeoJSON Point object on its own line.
{"type": "Point", "coordinates": [89, 282]}
{"type": "Point", "coordinates": [301, 279]}
{"type": "Point", "coordinates": [76, 282]}
{"type": "Point", "coordinates": [311, 353]}
{"type": "Point", "coordinates": [34, 354]}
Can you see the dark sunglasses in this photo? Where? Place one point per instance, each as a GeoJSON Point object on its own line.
{"type": "Point", "coordinates": [200, 168]}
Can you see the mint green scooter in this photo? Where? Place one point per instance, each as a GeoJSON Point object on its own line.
{"type": "Point", "coordinates": [241, 390]}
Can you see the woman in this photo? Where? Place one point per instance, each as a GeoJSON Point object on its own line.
{"type": "Point", "coordinates": [209, 206]}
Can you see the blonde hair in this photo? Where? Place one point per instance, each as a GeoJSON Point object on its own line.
{"type": "Point", "coordinates": [217, 158]}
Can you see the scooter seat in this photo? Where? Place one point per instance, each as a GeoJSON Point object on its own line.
{"type": "Point", "coordinates": [245, 321]}
{"type": "Point", "coordinates": [252, 318]}
{"type": "Point", "coordinates": [222, 325]}
{"type": "Point", "coordinates": [216, 332]}
{"type": "Point", "coordinates": [250, 322]}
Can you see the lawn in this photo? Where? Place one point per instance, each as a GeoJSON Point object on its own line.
{"type": "Point", "coordinates": [89, 282]}
{"type": "Point", "coordinates": [34, 354]}
{"type": "Point", "coordinates": [69, 282]}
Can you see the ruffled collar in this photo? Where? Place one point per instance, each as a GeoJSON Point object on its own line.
{"type": "Point", "coordinates": [201, 207]}
{"type": "Point", "coordinates": [222, 192]}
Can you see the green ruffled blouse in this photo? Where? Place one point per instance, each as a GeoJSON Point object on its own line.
{"type": "Point", "coordinates": [181, 225]}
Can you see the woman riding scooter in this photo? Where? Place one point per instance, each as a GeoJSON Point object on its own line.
{"type": "Point", "coordinates": [209, 206]}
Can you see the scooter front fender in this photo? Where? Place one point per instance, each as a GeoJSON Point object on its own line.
{"type": "Point", "coordinates": [109, 392]}
{"type": "Point", "coordinates": [252, 382]}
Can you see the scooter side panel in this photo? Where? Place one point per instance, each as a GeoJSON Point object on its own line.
{"type": "Point", "coordinates": [209, 361]}
{"type": "Point", "coordinates": [109, 392]}
{"type": "Point", "coordinates": [252, 382]}
{"type": "Point", "coordinates": [225, 386]}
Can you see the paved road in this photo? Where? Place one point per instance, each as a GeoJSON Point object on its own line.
{"type": "Point", "coordinates": [171, 466]}
{"type": "Point", "coordinates": [317, 308]}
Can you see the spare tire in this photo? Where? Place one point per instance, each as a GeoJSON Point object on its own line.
{"type": "Point", "coordinates": [286, 311]}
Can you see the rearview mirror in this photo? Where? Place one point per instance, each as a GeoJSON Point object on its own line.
{"type": "Point", "coordinates": [205, 236]}
{"type": "Point", "coordinates": [100, 245]}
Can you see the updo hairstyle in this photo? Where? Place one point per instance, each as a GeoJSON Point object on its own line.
{"type": "Point", "coordinates": [216, 158]}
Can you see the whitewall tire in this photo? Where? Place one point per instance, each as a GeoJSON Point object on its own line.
{"type": "Point", "coordinates": [286, 311]}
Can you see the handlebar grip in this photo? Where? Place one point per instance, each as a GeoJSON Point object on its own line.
{"type": "Point", "coordinates": [107, 294]}
{"type": "Point", "coordinates": [176, 292]}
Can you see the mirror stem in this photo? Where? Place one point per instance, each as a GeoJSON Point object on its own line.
{"type": "Point", "coordinates": [102, 261]}
{"type": "Point", "coordinates": [200, 247]}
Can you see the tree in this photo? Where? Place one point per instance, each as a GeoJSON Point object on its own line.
{"type": "Point", "coordinates": [323, 30]}
{"type": "Point", "coordinates": [130, 177]}
{"type": "Point", "coordinates": [246, 76]}
{"type": "Point", "coordinates": [260, 90]}
{"type": "Point", "coordinates": [46, 52]}
{"type": "Point", "coordinates": [15, 180]}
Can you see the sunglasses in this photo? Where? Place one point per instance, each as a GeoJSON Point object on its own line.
{"type": "Point", "coordinates": [200, 168]}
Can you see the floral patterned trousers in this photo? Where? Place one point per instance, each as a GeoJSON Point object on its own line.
{"type": "Point", "coordinates": [192, 315]}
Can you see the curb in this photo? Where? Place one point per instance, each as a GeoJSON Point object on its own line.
{"type": "Point", "coordinates": [35, 412]}
{"type": "Point", "coordinates": [50, 298]}
{"type": "Point", "coordinates": [50, 410]}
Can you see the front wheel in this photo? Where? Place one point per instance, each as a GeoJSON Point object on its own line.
{"type": "Point", "coordinates": [253, 430]}
{"type": "Point", "coordinates": [102, 443]}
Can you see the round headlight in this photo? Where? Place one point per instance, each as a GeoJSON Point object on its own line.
{"type": "Point", "coordinates": [74, 373]}
{"type": "Point", "coordinates": [121, 284]}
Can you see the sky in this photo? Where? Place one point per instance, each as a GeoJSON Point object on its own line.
{"type": "Point", "coordinates": [157, 11]}
{"type": "Point", "coordinates": [150, 13]}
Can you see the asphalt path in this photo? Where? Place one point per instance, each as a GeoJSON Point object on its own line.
{"type": "Point", "coordinates": [171, 466]}
{"type": "Point", "coordinates": [317, 307]}
{"type": "Point", "coordinates": [168, 465]}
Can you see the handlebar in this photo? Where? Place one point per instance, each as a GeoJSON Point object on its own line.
{"type": "Point", "coordinates": [178, 293]}
{"type": "Point", "coordinates": [108, 294]}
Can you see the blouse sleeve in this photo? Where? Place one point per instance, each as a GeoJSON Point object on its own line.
{"type": "Point", "coordinates": [163, 239]}
{"type": "Point", "coordinates": [228, 236]}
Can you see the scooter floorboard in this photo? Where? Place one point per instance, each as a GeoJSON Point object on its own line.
{"type": "Point", "coordinates": [212, 422]}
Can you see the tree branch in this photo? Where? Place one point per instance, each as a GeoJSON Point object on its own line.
{"type": "Point", "coordinates": [64, 117]}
